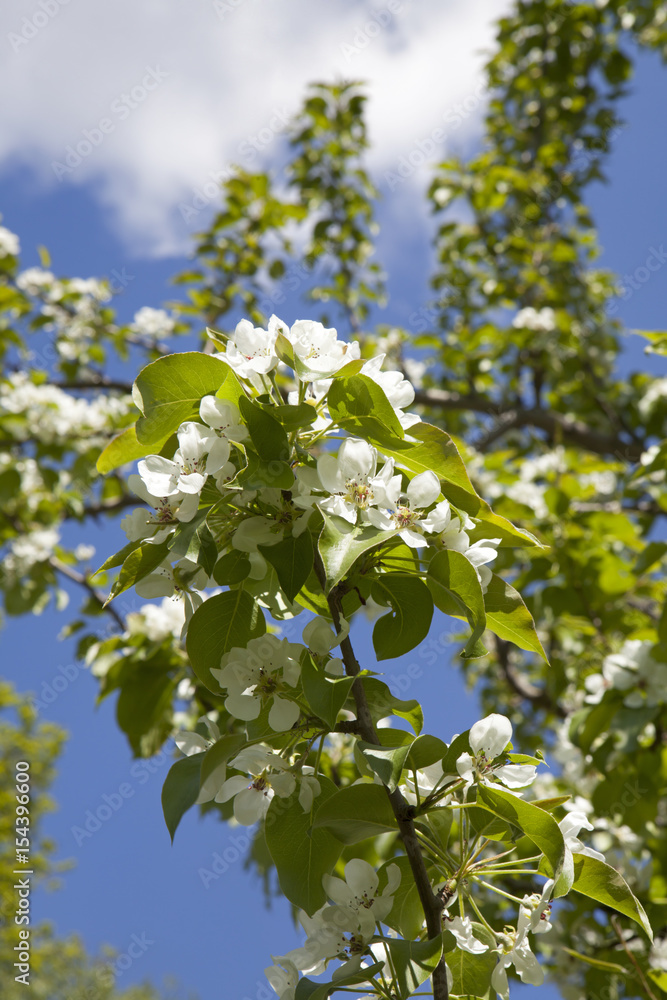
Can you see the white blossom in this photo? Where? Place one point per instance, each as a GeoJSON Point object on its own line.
{"type": "Point", "coordinates": [462, 929]}
{"type": "Point", "coordinates": [190, 743]}
{"type": "Point", "coordinates": [283, 977]}
{"type": "Point", "coordinates": [251, 351]}
{"type": "Point", "coordinates": [34, 280]}
{"type": "Point", "coordinates": [541, 320]}
{"type": "Point", "coordinates": [153, 323]}
{"type": "Point", "coordinates": [488, 739]}
{"type": "Point", "coordinates": [479, 554]}
{"type": "Point", "coordinates": [320, 636]}
{"type": "Point", "coordinates": [357, 899]}
{"type": "Point", "coordinates": [223, 416]}
{"type": "Point", "coordinates": [141, 523]}
{"type": "Point", "coordinates": [570, 827]}
{"type": "Point", "coordinates": [516, 951]}
{"type": "Point", "coordinates": [9, 243]}
{"type": "Point", "coordinates": [396, 388]}
{"type": "Point", "coordinates": [201, 453]}
{"type": "Point", "coordinates": [158, 622]}
{"type": "Point", "coordinates": [347, 478]}
{"type": "Point", "coordinates": [634, 671]}
{"type": "Point", "coordinates": [319, 351]}
{"type": "Point", "coordinates": [657, 957]}
{"type": "Point", "coordinates": [258, 674]}
{"type": "Point", "coordinates": [404, 510]}
{"type": "Point", "coordinates": [270, 777]}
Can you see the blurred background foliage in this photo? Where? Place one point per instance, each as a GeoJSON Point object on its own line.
{"type": "Point", "coordinates": [517, 354]}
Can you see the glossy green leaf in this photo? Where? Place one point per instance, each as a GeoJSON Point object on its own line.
{"type": "Point", "coordinates": [308, 990]}
{"type": "Point", "coordinates": [359, 404]}
{"type": "Point", "coordinates": [509, 618]}
{"type": "Point", "coordinates": [268, 436]}
{"type": "Point", "coordinates": [383, 703]}
{"type": "Point", "coordinates": [410, 618]}
{"type": "Point", "coordinates": [140, 562]}
{"type": "Point", "coordinates": [169, 391]}
{"type": "Point", "coordinates": [292, 559]}
{"type": "Point", "coordinates": [601, 882]}
{"type": "Point", "coordinates": [341, 544]}
{"type": "Point", "coordinates": [126, 447]}
{"type": "Point", "coordinates": [223, 621]}
{"type": "Point", "coordinates": [386, 762]}
{"type": "Point", "coordinates": [471, 974]}
{"type": "Point", "coordinates": [301, 855]}
{"type": "Point", "coordinates": [425, 750]}
{"type": "Point", "coordinates": [356, 812]}
{"type": "Point", "coordinates": [180, 790]}
{"type": "Point", "coordinates": [325, 695]}
{"type": "Point", "coordinates": [231, 568]}
{"type": "Point", "coordinates": [413, 962]}
{"type": "Point", "coordinates": [538, 825]}
{"type": "Point", "coordinates": [452, 573]}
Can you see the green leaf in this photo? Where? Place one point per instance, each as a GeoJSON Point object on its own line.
{"type": "Point", "coordinates": [538, 825]}
{"type": "Point", "coordinates": [126, 447]}
{"type": "Point", "coordinates": [437, 452]}
{"type": "Point", "coordinates": [308, 990]}
{"type": "Point", "coordinates": [140, 562]}
{"type": "Point", "coordinates": [293, 417]}
{"type": "Point", "coordinates": [258, 473]}
{"type": "Point", "coordinates": [169, 391]}
{"type": "Point", "coordinates": [460, 744]}
{"type": "Point", "coordinates": [471, 974]}
{"type": "Point", "coordinates": [301, 855]}
{"type": "Point", "coordinates": [356, 812]}
{"type": "Point", "coordinates": [118, 558]}
{"type": "Point", "coordinates": [341, 544]}
{"type": "Point", "coordinates": [386, 762]}
{"type": "Point", "coordinates": [359, 404]}
{"type": "Point", "coordinates": [143, 709]}
{"type": "Point", "coordinates": [413, 961]}
{"type": "Point", "coordinates": [231, 568]}
{"type": "Point", "coordinates": [10, 484]}
{"type": "Point", "coordinates": [452, 572]}
{"type": "Point", "coordinates": [425, 750]}
{"type": "Point", "coordinates": [410, 619]}
{"type": "Point", "coordinates": [292, 559]}
{"type": "Point", "coordinates": [325, 695]}
{"type": "Point", "coordinates": [653, 552]}
{"type": "Point", "coordinates": [180, 790]}
{"type": "Point", "coordinates": [383, 703]}
{"type": "Point", "coordinates": [601, 882]}
{"type": "Point", "coordinates": [267, 434]}
{"type": "Point", "coordinates": [221, 622]}
{"type": "Point", "coordinates": [509, 618]}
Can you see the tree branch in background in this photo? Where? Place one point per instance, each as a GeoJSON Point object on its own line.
{"type": "Point", "coordinates": [83, 581]}
{"type": "Point", "coordinates": [556, 425]}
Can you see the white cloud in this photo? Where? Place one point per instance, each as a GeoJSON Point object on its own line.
{"type": "Point", "coordinates": [183, 90]}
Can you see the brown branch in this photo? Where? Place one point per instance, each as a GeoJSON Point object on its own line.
{"type": "Point", "coordinates": [102, 382]}
{"type": "Point", "coordinates": [556, 425]}
{"type": "Point", "coordinates": [403, 812]}
{"type": "Point", "coordinates": [83, 581]}
{"type": "Point", "coordinates": [529, 692]}
{"type": "Point", "coordinates": [638, 969]}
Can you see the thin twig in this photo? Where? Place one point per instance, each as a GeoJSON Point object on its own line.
{"type": "Point", "coordinates": [642, 978]}
{"type": "Point", "coordinates": [83, 581]}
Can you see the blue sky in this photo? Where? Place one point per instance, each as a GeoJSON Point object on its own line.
{"type": "Point", "coordinates": [119, 211]}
